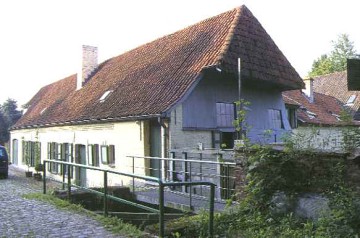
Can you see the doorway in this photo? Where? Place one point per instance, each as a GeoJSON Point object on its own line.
{"type": "Point", "coordinates": [155, 148]}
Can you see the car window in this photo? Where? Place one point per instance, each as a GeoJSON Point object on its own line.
{"type": "Point", "coordinates": [2, 152]}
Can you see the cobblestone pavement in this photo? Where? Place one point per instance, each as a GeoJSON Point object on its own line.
{"type": "Point", "coordinates": [20, 217]}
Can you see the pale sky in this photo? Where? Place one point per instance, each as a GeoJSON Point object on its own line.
{"type": "Point", "coordinates": [41, 40]}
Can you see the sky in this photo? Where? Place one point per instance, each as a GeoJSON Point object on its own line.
{"type": "Point", "coordinates": [40, 40]}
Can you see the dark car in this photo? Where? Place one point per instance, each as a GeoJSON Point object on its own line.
{"type": "Point", "coordinates": [4, 162]}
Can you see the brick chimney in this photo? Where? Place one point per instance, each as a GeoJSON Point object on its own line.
{"type": "Point", "coordinates": [88, 65]}
{"type": "Point", "coordinates": [309, 89]}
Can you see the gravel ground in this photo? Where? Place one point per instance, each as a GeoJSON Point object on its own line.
{"type": "Point", "coordinates": [20, 217]}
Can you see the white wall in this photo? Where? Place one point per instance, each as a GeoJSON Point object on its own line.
{"type": "Point", "coordinates": [319, 138]}
{"type": "Point", "coordinates": [127, 137]}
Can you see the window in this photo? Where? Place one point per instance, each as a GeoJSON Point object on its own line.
{"type": "Point", "coordinates": [68, 157]}
{"type": "Point", "coordinates": [311, 114]}
{"type": "Point", "coordinates": [54, 153]}
{"type": "Point", "coordinates": [31, 153]}
{"type": "Point", "coordinates": [291, 115]}
{"type": "Point", "coordinates": [108, 154]}
{"type": "Point", "coordinates": [225, 114]}
{"type": "Point", "coordinates": [351, 100]}
{"type": "Point", "coordinates": [93, 155]}
{"type": "Point", "coordinates": [105, 95]}
{"type": "Point", "coordinates": [275, 119]}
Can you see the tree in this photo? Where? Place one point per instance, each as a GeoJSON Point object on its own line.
{"type": "Point", "coordinates": [343, 48]}
{"type": "Point", "coordinates": [3, 130]}
{"type": "Point", "coordinates": [8, 117]}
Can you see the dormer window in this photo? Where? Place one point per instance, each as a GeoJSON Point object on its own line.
{"type": "Point", "coordinates": [43, 110]}
{"type": "Point", "coordinates": [105, 95]}
{"type": "Point", "coordinates": [351, 100]}
{"type": "Point", "coordinates": [310, 114]}
{"type": "Point", "coordinates": [336, 116]}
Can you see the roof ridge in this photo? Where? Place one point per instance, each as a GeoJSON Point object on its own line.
{"type": "Point", "coordinates": [230, 35]}
{"type": "Point", "coordinates": [333, 73]}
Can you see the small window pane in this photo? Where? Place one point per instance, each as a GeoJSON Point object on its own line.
{"type": "Point", "coordinates": [275, 119]}
{"type": "Point", "coordinates": [90, 156]}
{"type": "Point", "coordinates": [104, 154]}
{"type": "Point", "coordinates": [111, 154]}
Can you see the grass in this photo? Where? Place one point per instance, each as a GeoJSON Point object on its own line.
{"type": "Point", "coordinates": [113, 224]}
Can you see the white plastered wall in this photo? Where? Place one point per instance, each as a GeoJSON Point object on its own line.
{"type": "Point", "coordinates": [127, 137]}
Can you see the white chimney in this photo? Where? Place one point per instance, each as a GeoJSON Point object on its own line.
{"type": "Point", "coordinates": [88, 65]}
{"type": "Point", "coordinates": [309, 89]}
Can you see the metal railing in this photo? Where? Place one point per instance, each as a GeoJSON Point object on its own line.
{"type": "Point", "coordinates": [190, 168]}
{"type": "Point", "coordinates": [106, 196]}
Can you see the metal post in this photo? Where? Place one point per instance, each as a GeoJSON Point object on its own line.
{"type": "Point", "coordinates": [44, 181]}
{"type": "Point", "coordinates": [161, 210]}
{"type": "Point", "coordinates": [105, 194]}
{"type": "Point", "coordinates": [159, 168]}
{"type": "Point", "coordinates": [63, 176]}
{"type": "Point", "coordinates": [133, 171]}
{"type": "Point", "coordinates": [240, 136]}
{"type": "Point", "coordinates": [228, 181]}
{"type": "Point", "coordinates": [211, 210]}
{"type": "Point", "coordinates": [201, 177]}
{"type": "Point", "coordinates": [185, 171]}
{"type": "Point", "coordinates": [69, 183]}
{"type": "Point", "coordinates": [190, 187]}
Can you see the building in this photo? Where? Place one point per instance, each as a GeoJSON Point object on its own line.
{"type": "Point", "coordinates": [175, 92]}
{"type": "Point", "coordinates": [318, 120]}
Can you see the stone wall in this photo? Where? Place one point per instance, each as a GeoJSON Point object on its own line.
{"type": "Point", "coordinates": [321, 167]}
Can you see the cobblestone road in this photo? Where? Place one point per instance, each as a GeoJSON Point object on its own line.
{"type": "Point", "coordinates": [21, 217]}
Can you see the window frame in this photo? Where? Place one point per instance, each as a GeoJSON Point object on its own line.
{"type": "Point", "coordinates": [107, 155]}
{"type": "Point", "coordinates": [275, 119]}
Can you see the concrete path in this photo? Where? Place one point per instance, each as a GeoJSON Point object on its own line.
{"type": "Point", "coordinates": [21, 217]}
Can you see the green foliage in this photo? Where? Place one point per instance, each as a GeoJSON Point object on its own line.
{"type": "Point", "coordinates": [293, 172]}
{"type": "Point", "coordinates": [240, 122]}
{"type": "Point", "coordinates": [8, 117]}
{"type": "Point", "coordinates": [343, 48]}
{"type": "Point", "coordinates": [351, 138]}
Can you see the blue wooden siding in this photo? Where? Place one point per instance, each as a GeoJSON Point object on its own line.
{"type": "Point", "coordinates": [199, 109]}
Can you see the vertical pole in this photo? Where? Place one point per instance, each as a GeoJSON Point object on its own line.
{"type": "Point", "coordinates": [44, 181]}
{"type": "Point", "coordinates": [211, 210]}
{"type": "Point", "coordinates": [159, 168]}
{"type": "Point", "coordinates": [201, 176]}
{"type": "Point", "coordinates": [190, 187]}
{"type": "Point", "coordinates": [239, 92]}
{"type": "Point", "coordinates": [105, 194]}
{"type": "Point", "coordinates": [133, 171]}
{"type": "Point", "coordinates": [63, 176]}
{"type": "Point", "coordinates": [185, 171]}
{"type": "Point", "coordinates": [161, 210]}
{"type": "Point", "coordinates": [69, 182]}
{"type": "Point", "coordinates": [172, 167]}
{"type": "Point", "coordinates": [228, 181]}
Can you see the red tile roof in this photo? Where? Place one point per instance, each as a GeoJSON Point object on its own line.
{"type": "Point", "coordinates": [335, 85]}
{"type": "Point", "coordinates": [325, 109]}
{"type": "Point", "coordinates": [150, 79]}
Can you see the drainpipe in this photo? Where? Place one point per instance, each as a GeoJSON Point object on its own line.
{"type": "Point", "coordinates": [164, 142]}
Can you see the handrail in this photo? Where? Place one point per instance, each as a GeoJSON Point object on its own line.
{"type": "Point", "coordinates": [188, 160]}
{"type": "Point", "coordinates": [159, 181]}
